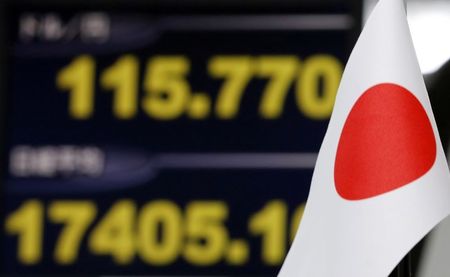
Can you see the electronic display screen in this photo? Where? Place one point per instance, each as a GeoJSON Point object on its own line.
{"type": "Point", "coordinates": [163, 143]}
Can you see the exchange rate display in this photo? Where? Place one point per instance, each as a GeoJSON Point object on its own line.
{"type": "Point", "coordinates": [164, 141]}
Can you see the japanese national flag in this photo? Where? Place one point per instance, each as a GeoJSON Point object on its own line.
{"type": "Point", "coordinates": [381, 180]}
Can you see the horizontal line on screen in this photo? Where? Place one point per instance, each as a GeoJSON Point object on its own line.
{"type": "Point", "coordinates": [259, 22]}
{"type": "Point", "coordinates": [237, 160]}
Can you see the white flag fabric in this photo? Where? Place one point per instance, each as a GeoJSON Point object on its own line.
{"type": "Point", "coordinates": [381, 181]}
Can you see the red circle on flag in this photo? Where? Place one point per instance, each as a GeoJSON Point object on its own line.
{"type": "Point", "coordinates": [386, 143]}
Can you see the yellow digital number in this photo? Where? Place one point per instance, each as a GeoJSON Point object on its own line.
{"type": "Point", "coordinates": [78, 79]}
{"type": "Point", "coordinates": [160, 217]}
{"type": "Point", "coordinates": [270, 223]}
{"type": "Point", "coordinates": [318, 69]}
{"type": "Point", "coordinates": [76, 217]}
{"type": "Point", "coordinates": [296, 219]}
{"type": "Point", "coordinates": [167, 91]}
{"type": "Point", "coordinates": [114, 234]}
{"type": "Point", "coordinates": [237, 72]}
{"type": "Point", "coordinates": [27, 224]}
{"type": "Point", "coordinates": [207, 236]}
{"type": "Point", "coordinates": [168, 94]}
{"type": "Point", "coordinates": [281, 70]}
{"type": "Point", "coordinates": [159, 233]}
{"type": "Point", "coordinates": [122, 78]}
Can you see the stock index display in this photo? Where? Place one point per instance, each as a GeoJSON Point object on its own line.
{"type": "Point", "coordinates": [164, 140]}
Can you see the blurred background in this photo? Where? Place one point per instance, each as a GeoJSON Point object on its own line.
{"type": "Point", "coordinates": [178, 138]}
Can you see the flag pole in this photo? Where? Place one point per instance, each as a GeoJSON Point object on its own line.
{"type": "Point", "coordinates": [409, 264]}
{"type": "Point", "coordinates": [404, 268]}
